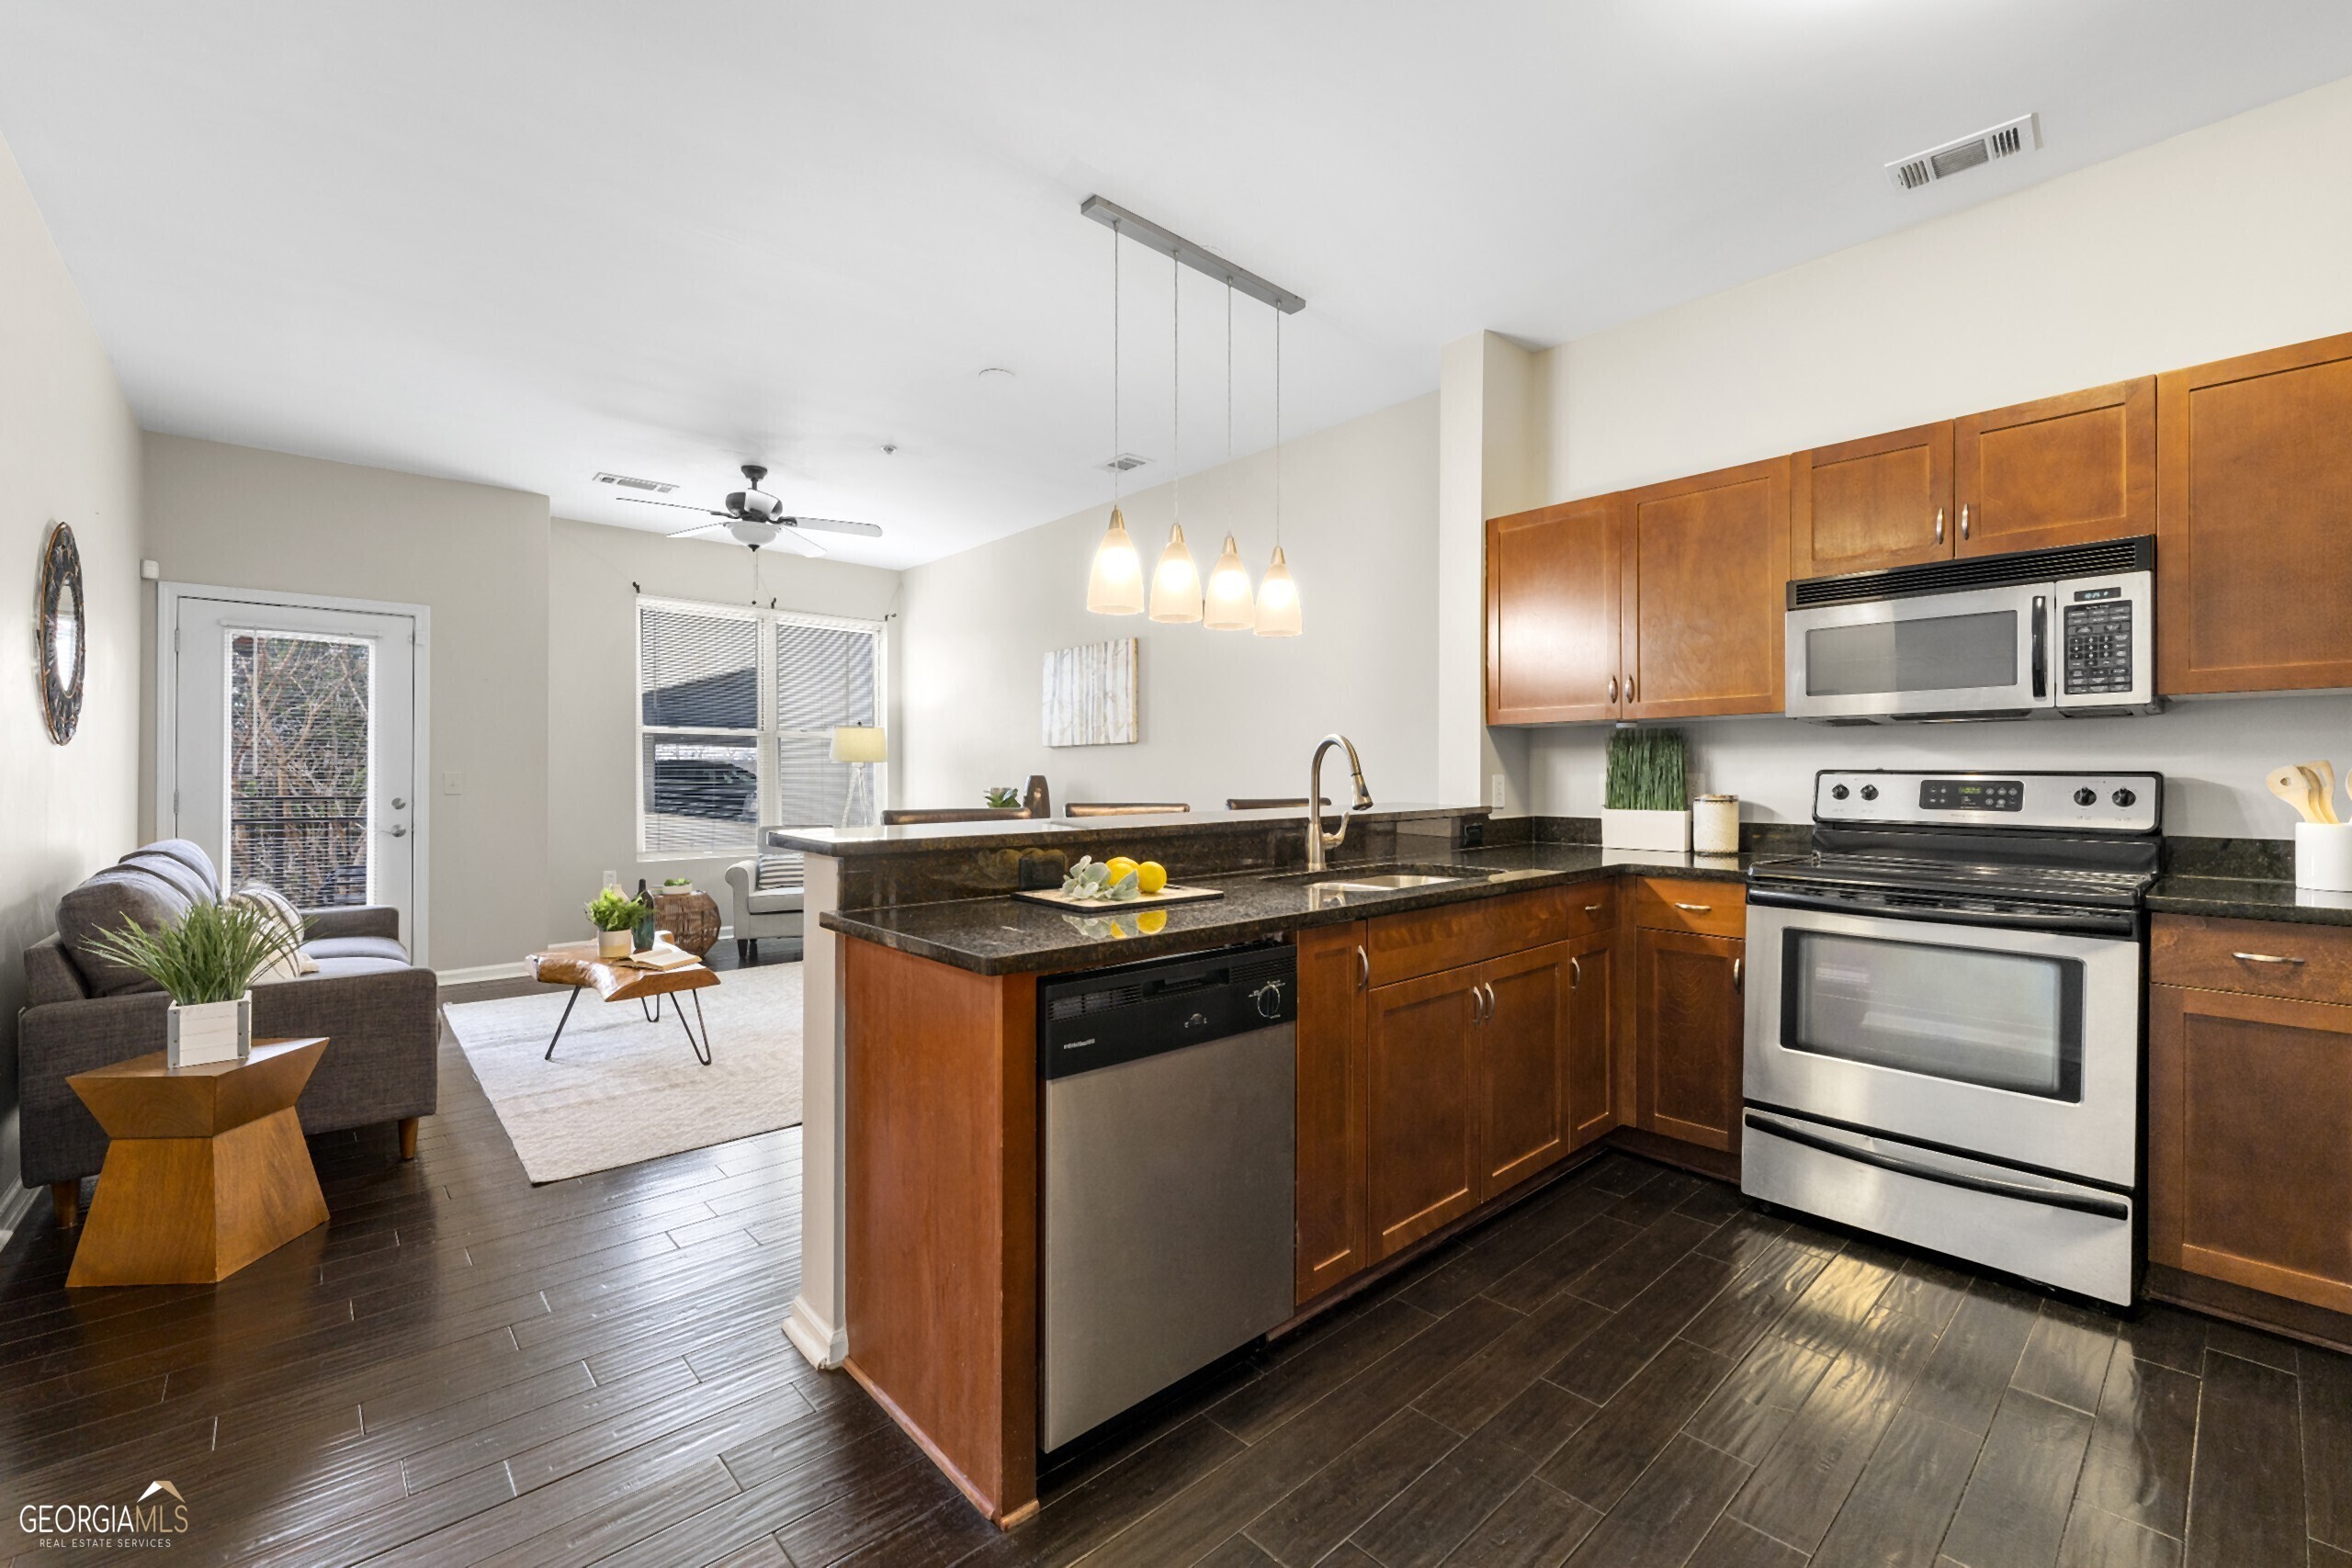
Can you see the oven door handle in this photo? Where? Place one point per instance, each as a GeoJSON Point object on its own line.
{"type": "Point", "coordinates": [2082, 1202]}
{"type": "Point", "coordinates": [2084, 923]}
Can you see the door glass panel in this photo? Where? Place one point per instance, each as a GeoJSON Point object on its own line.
{"type": "Point", "coordinates": [1934, 653]}
{"type": "Point", "coordinates": [2009, 1021]}
{"type": "Point", "coordinates": [300, 733]}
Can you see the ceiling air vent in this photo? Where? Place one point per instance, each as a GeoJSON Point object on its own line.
{"type": "Point", "coordinates": [1126, 461]}
{"type": "Point", "coordinates": [2022, 135]}
{"type": "Point", "coordinates": [623, 480]}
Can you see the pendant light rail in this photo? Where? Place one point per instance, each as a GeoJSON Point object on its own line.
{"type": "Point", "coordinates": [1200, 258]}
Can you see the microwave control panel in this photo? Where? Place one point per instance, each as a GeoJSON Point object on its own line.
{"type": "Point", "coordinates": [2099, 643]}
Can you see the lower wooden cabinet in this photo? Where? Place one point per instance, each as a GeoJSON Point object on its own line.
{"type": "Point", "coordinates": [1687, 1020]}
{"type": "Point", "coordinates": [1592, 1037]}
{"type": "Point", "coordinates": [1522, 1051]}
{"type": "Point", "coordinates": [1332, 971]}
{"type": "Point", "coordinates": [1423, 1153]}
{"type": "Point", "coordinates": [2250, 1141]}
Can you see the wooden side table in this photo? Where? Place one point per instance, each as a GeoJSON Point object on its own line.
{"type": "Point", "coordinates": [691, 918]}
{"type": "Point", "coordinates": [575, 963]}
{"type": "Point", "coordinates": [206, 1169]}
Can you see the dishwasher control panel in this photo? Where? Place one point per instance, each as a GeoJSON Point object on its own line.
{"type": "Point", "coordinates": [1104, 1017]}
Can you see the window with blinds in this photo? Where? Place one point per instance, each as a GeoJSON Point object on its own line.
{"type": "Point", "coordinates": [736, 714]}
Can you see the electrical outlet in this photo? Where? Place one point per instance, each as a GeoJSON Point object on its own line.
{"type": "Point", "coordinates": [612, 879]}
{"type": "Point", "coordinates": [1497, 792]}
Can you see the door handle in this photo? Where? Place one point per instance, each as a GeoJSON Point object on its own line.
{"type": "Point", "coordinates": [1575, 974]}
{"type": "Point", "coordinates": [399, 831]}
{"type": "Point", "coordinates": [1939, 524]}
{"type": "Point", "coordinates": [2264, 958]}
{"type": "Point", "coordinates": [1739, 975]}
{"type": "Point", "coordinates": [1363, 970]}
{"type": "Point", "coordinates": [399, 803]}
{"type": "Point", "coordinates": [1963, 520]}
{"type": "Point", "coordinates": [1697, 908]}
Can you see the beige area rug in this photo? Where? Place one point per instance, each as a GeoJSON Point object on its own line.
{"type": "Point", "coordinates": [621, 1090]}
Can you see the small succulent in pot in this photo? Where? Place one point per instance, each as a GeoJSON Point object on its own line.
{"type": "Point", "coordinates": [614, 914]}
{"type": "Point", "coordinates": [1002, 797]}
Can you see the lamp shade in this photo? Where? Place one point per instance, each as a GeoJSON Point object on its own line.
{"type": "Point", "coordinates": [1176, 585]}
{"type": "Point", "coordinates": [1228, 608]}
{"type": "Point", "coordinates": [1116, 585]}
{"type": "Point", "coordinates": [1278, 600]}
{"type": "Point", "coordinates": [859, 743]}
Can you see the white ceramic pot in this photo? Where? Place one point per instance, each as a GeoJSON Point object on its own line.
{"type": "Point", "coordinates": [1714, 824]}
{"type": "Point", "coordinates": [612, 945]}
{"type": "Point", "coordinates": [207, 1032]}
{"type": "Point", "coordinates": [2324, 856]}
{"type": "Point", "coordinates": [1665, 831]}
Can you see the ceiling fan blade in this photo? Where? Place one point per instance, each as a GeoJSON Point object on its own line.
{"type": "Point", "coordinates": [641, 501]}
{"type": "Point", "coordinates": [697, 528]}
{"type": "Point", "coordinates": [836, 525]}
{"type": "Point", "coordinates": [802, 543]}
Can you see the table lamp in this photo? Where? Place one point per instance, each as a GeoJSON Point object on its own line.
{"type": "Point", "coordinates": [857, 744]}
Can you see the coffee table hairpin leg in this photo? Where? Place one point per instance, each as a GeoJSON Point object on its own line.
{"type": "Point", "coordinates": [568, 1002]}
{"type": "Point", "coordinates": [701, 1046]}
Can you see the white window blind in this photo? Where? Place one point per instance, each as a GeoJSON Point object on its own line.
{"type": "Point", "coordinates": [736, 714]}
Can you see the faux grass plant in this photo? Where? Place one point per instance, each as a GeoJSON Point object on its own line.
{"type": "Point", "coordinates": [1647, 771]}
{"type": "Point", "coordinates": [211, 956]}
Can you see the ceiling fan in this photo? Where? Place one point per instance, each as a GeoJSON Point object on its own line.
{"type": "Point", "coordinates": [756, 518]}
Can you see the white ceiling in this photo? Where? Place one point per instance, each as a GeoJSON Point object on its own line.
{"type": "Point", "coordinates": [517, 242]}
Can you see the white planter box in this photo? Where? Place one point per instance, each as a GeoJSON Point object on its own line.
{"type": "Point", "coordinates": [1665, 831]}
{"type": "Point", "coordinates": [209, 1031]}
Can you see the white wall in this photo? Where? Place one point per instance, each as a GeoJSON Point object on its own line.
{"type": "Point", "coordinates": [69, 453]}
{"type": "Point", "coordinates": [591, 685]}
{"type": "Point", "coordinates": [1223, 713]}
{"type": "Point", "coordinates": [2228, 239]}
{"type": "Point", "coordinates": [235, 518]}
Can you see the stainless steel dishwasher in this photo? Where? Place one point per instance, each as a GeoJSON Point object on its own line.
{"type": "Point", "coordinates": [1169, 1174]}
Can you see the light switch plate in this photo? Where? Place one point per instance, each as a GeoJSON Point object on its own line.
{"type": "Point", "coordinates": [1499, 792]}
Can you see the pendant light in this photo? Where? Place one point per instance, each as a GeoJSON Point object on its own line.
{"type": "Point", "coordinates": [1228, 608]}
{"type": "Point", "coordinates": [1176, 585]}
{"type": "Point", "coordinates": [1116, 585]}
{"type": "Point", "coordinates": [1277, 594]}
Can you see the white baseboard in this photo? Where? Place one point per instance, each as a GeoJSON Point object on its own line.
{"type": "Point", "coordinates": [514, 971]}
{"type": "Point", "coordinates": [825, 1346]}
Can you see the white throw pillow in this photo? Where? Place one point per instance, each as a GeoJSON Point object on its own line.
{"type": "Point", "coordinates": [270, 902]}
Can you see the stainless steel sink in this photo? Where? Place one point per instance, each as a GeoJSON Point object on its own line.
{"type": "Point", "coordinates": [1389, 879]}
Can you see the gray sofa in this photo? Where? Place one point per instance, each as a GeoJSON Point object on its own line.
{"type": "Point", "coordinates": [377, 1010]}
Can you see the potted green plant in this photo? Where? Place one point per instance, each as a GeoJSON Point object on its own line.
{"type": "Point", "coordinates": [207, 961]}
{"type": "Point", "coordinates": [1002, 797]}
{"type": "Point", "coordinates": [677, 884]}
{"type": "Point", "coordinates": [1647, 801]}
{"type": "Point", "coordinates": [615, 915]}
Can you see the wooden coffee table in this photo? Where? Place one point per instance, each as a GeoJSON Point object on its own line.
{"type": "Point", "coordinates": [206, 1169]}
{"type": "Point", "coordinates": [575, 963]}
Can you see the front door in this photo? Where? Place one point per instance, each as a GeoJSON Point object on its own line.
{"type": "Point", "coordinates": [293, 751]}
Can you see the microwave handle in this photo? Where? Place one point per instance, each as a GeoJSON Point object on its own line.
{"type": "Point", "coordinates": [2040, 646]}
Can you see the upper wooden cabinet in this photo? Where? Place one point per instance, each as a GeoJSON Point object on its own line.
{"type": "Point", "coordinates": [1866, 505]}
{"type": "Point", "coordinates": [2063, 471]}
{"type": "Point", "coordinates": [1705, 563]}
{"type": "Point", "coordinates": [1552, 593]}
{"type": "Point", "coordinates": [2254, 485]}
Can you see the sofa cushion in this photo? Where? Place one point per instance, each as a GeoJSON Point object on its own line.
{"type": "Point", "coordinates": [175, 856]}
{"type": "Point", "coordinates": [326, 947]}
{"type": "Point", "coordinates": [343, 967]}
{"type": "Point", "coordinates": [142, 894]}
{"type": "Point", "coordinates": [291, 963]}
{"type": "Point", "coordinates": [775, 900]}
{"type": "Point", "coordinates": [50, 975]}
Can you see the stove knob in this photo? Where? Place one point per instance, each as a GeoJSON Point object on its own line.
{"type": "Point", "coordinates": [1869, 792]}
{"type": "Point", "coordinates": [1839, 791]}
{"type": "Point", "coordinates": [2086, 797]}
{"type": "Point", "coordinates": [2123, 797]}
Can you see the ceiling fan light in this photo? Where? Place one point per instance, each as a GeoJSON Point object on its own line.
{"type": "Point", "coordinates": [1278, 600]}
{"type": "Point", "coordinates": [1116, 585]}
{"type": "Point", "coordinates": [1228, 605]}
{"type": "Point", "coordinates": [1176, 585]}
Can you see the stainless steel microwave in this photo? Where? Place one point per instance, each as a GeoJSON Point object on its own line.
{"type": "Point", "coordinates": [2040, 634]}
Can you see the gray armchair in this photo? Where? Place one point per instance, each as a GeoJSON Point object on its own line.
{"type": "Point", "coordinates": [379, 1011]}
{"type": "Point", "coordinates": [768, 900]}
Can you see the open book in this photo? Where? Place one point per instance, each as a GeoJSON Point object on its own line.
{"type": "Point", "coordinates": [661, 956]}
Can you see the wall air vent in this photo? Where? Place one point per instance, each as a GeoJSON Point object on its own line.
{"type": "Point", "coordinates": [2022, 135]}
{"type": "Point", "coordinates": [1126, 461]}
{"type": "Point", "coordinates": [623, 482]}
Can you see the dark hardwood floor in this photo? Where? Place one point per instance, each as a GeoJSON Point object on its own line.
{"type": "Point", "coordinates": [1633, 1369]}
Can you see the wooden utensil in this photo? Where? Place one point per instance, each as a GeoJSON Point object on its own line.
{"type": "Point", "coordinates": [2322, 776]}
{"type": "Point", "coordinates": [2290, 784]}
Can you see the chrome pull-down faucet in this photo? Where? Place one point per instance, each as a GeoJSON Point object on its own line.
{"type": "Point", "coordinates": [1318, 841]}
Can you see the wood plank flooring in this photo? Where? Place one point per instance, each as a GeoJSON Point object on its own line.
{"type": "Point", "coordinates": [1633, 1369]}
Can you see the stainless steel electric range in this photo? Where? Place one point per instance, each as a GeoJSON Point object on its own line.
{"type": "Point", "coordinates": [1944, 1017]}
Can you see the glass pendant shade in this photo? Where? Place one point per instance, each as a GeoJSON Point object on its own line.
{"type": "Point", "coordinates": [1116, 586]}
{"type": "Point", "coordinates": [1278, 600]}
{"type": "Point", "coordinates": [1228, 608]}
{"type": "Point", "coordinates": [1176, 586]}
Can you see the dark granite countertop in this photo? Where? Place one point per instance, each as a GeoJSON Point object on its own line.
{"type": "Point", "coordinates": [2248, 898]}
{"type": "Point", "coordinates": [916, 838]}
{"type": "Point", "coordinates": [1008, 936]}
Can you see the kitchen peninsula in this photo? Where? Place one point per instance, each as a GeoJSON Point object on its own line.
{"type": "Point", "coordinates": [1484, 1028]}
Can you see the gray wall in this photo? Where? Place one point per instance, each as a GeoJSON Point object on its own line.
{"type": "Point", "coordinates": [69, 452]}
{"type": "Point", "coordinates": [235, 518]}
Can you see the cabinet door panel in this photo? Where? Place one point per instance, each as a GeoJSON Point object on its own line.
{"type": "Point", "coordinates": [1870, 504]}
{"type": "Point", "coordinates": [1330, 1106]}
{"type": "Point", "coordinates": [1689, 1009]}
{"type": "Point", "coordinates": [2250, 1141]}
{"type": "Point", "coordinates": [1523, 1066]}
{"type": "Point", "coordinates": [1422, 1114]}
{"type": "Point", "coordinates": [2254, 483]}
{"type": "Point", "coordinates": [2063, 471]}
{"type": "Point", "coordinates": [1706, 561]}
{"type": "Point", "coordinates": [1552, 587]}
{"type": "Point", "coordinates": [1592, 1065]}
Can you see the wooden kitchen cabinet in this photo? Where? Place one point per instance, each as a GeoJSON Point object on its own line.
{"type": "Point", "coordinates": [1523, 1053]}
{"type": "Point", "coordinates": [1688, 1009]}
{"type": "Point", "coordinates": [1705, 563]}
{"type": "Point", "coordinates": [2250, 1141]}
{"type": "Point", "coordinates": [2254, 479]}
{"type": "Point", "coordinates": [1866, 505]}
{"type": "Point", "coordinates": [1422, 1152]}
{"type": "Point", "coordinates": [1552, 611]}
{"type": "Point", "coordinates": [1591, 1037]}
{"type": "Point", "coordinates": [1330, 1202]}
{"type": "Point", "coordinates": [2064, 471]}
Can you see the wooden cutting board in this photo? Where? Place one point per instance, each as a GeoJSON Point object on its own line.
{"type": "Point", "coordinates": [1172, 893]}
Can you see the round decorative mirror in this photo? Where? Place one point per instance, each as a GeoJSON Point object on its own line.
{"type": "Point", "coordinates": [62, 644]}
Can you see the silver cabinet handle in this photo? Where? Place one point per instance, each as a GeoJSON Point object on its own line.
{"type": "Point", "coordinates": [1629, 685]}
{"type": "Point", "coordinates": [1612, 688]}
{"type": "Point", "coordinates": [1491, 1003]}
{"type": "Point", "coordinates": [1963, 521]}
{"type": "Point", "coordinates": [400, 831]}
{"type": "Point", "coordinates": [1739, 974]}
{"type": "Point", "coordinates": [1939, 524]}
{"type": "Point", "coordinates": [1575, 974]}
{"type": "Point", "coordinates": [1697, 908]}
{"type": "Point", "coordinates": [1594, 909]}
{"type": "Point", "coordinates": [1363, 970]}
{"type": "Point", "coordinates": [1477, 1007]}
{"type": "Point", "coordinates": [2264, 958]}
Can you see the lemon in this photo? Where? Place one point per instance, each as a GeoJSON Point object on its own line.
{"type": "Point", "coordinates": [1150, 876]}
{"type": "Point", "coordinates": [1151, 922]}
{"type": "Point", "coordinates": [1118, 867]}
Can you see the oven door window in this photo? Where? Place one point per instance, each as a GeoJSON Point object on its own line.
{"type": "Point", "coordinates": [1932, 653]}
{"type": "Point", "coordinates": [1979, 1016]}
